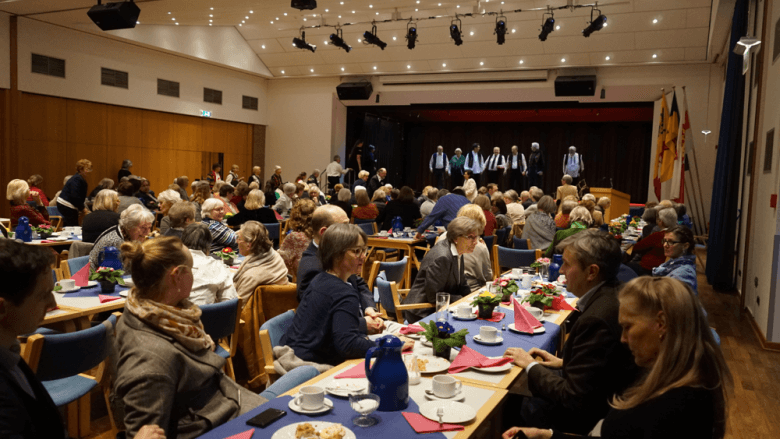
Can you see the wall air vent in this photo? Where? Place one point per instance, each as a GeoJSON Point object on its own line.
{"type": "Point", "coordinates": [212, 96]}
{"type": "Point", "coordinates": [167, 88]}
{"type": "Point", "coordinates": [249, 103]}
{"type": "Point", "coordinates": [47, 65]}
{"type": "Point", "coordinates": [114, 78]}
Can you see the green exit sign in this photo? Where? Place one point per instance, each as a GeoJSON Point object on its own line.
{"type": "Point", "coordinates": [205, 113]}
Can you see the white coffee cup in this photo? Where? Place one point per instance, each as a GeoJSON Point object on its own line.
{"type": "Point", "coordinates": [536, 312]}
{"type": "Point", "coordinates": [67, 284]}
{"type": "Point", "coordinates": [464, 311]}
{"type": "Point", "coordinates": [517, 272]}
{"type": "Point", "coordinates": [310, 398]}
{"type": "Point", "coordinates": [561, 279]}
{"type": "Point", "coordinates": [445, 386]}
{"type": "Point", "coordinates": [488, 333]}
{"type": "Point", "coordinates": [526, 281]}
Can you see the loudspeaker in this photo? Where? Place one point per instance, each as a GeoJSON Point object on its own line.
{"type": "Point", "coordinates": [112, 16]}
{"type": "Point", "coordinates": [354, 91]}
{"type": "Point", "coordinates": [304, 4]}
{"type": "Point", "coordinates": [575, 85]}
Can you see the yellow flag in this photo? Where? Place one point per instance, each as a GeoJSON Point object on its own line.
{"type": "Point", "coordinates": [659, 149]}
{"type": "Point", "coordinates": [670, 142]}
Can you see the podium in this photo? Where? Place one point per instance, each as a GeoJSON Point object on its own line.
{"type": "Point", "coordinates": [621, 202]}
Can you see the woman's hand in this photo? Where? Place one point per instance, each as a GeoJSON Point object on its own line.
{"type": "Point", "coordinates": [374, 325]}
{"type": "Point", "coordinates": [150, 432]}
{"type": "Point", "coordinates": [549, 359]}
{"type": "Point", "coordinates": [530, 433]}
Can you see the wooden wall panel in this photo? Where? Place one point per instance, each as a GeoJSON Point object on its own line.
{"type": "Point", "coordinates": [124, 127]}
{"type": "Point", "coordinates": [46, 158]}
{"type": "Point", "coordinates": [92, 152]}
{"type": "Point", "coordinates": [86, 123]}
{"type": "Point", "coordinates": [42, 118]}
{"type": "Point", "coordinates": [157, 130]}
{"type": "Point", "coordinates": [187, 131]}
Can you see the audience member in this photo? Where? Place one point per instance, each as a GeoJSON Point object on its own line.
{"type": "Point", "coordinates": [262, 266]}
{"type": "Point", "coordinates": [650, 216]}
{"type": "Point", "coordinates": [679, 246]}
{"type": "Point", "coordinates": [146, 195]}
{"type": "Point", "coordinates": [167, 199]}
{"type": "Point", "coordinates": [70, 202]}
{"type": "Point", "coordinates": [254, 210]}
{"type": "Point", "coordinates": [476, 265]}
{"type": "Point", "coordinates": [135, 224]}
{"type": "Point", "coordinates": [17, 193]}
{"type": "Point", "coordinates": [579, 220]}
{"type": "Point", "coordinates": [539, 225]}
{"type": "Point", "coordinates": [469, 186]}
{"type": "Point", "coordinates": [212, 280]}
{"type": "Point", "coordinates": [403, 207]}
{"type": "Point", "coordinates": [490, 220]}
{"type": "Point", "coordinates": [445, 210]}
{"type": "Point", "coordinates": [127, 196]}
{"type": "Point", "coordinates": [180, 215]}
{"type": "Point", "coordinates": [225, 195]}
{"type": "Point", "coordinates": [103, 215]}
{"type": "Point", "coordinates": [299, 236]}
{"type": "Point", "coordinates": [124, 171]}
{"type": "Point", "coordinates": [365, 210]}
{"type": "Point", "coordinates": [212, 211]}
{"type": "Point", "coordinates": [431, 194]}
{"type": "Point", "coordinates": [514, 209]}
{"type": "Point", "coordinates": [284, 201]}
{"type": "Point", "coordinates": [380, 201]}
{"type": "Point", "coordinates": [648, 253]}
{"type": "Point", "coordinates": [562, 219]}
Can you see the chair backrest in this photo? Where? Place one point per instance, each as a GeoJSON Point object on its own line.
{"type": "Point", "coordinates": [278, 326]}
{"type": "Point", "coordinates": [489, 240]}
{"type": "Point", "coordinates": [360, 221]}
{"type": "Point", "coordinates": [521, 244]}
{"type": "Point", "coordinates": [78, 249]}
{"type": "Point", "coordinates": [219, 319]}
{"type": "Point", "coordinates": [501, 235]}
{"type": "Point", "coordinates": [625, 273]}
{"type": "Point", "coordinates": [54, 275]}
{"type": "Point", "coordinates": [511, 258]}
{"type": "Point", "coordinates": [53, 211]}
{"type": "Point", "coordinates": [277, 299]}
{"type": "Point", "coordinates": [58, 356]}
{"type": "Point", "coordinates": [274, 230]}
{"type": "Point", "coordinates": [76, 264]}
{"type": "Point", "coordinates": [369, 227]}
{"type": "Point", "coordinates": [386, 297]}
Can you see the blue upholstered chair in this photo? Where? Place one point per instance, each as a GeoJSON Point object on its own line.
{"type": "Point", "coordinates": [395, 271]}
{"type": "Point", "coordinates": [369, 227]}
{"type": "Point", "coordinates": [271, 333]}
{"type": "Point", "coordinates": [521, 244]}
{"type": "Point", "coordinates": [390, 297]}
{"type": "Point", "coordinates": [501, 236]}
{"type": "Point", "coordinates": [274, 230]}
{"type": "Point", "coordinates": [625, 273]}
{"type": "Point", "coordinates": [290, 380]}
{"type": "Point", "coordinates": [511, 258]}
{"type": "Point", "coordinates": [220, 320]}
{"type": "Point", "coordinates": [489, 240]}
{"type": "Point", "coordinates": [72, 266]}
{"type": "Point", "coordinates": [53, 211]}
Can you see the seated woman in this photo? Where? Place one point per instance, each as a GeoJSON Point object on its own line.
{"type": "Point", "coordinates": [225, 195]}
{"type": "Point", "coordinates": [476, 264]}
{"type": "Point", "coordinates": [105, 183]}
{"type": "Point", "coordinates": [441, 269]}
{"type": "Point", "coordinates": [380, 201]}
{"type": "Point", "coordinates": [404, 206]}
{"type": "Point", "coordinates": [146, 195]}
{"type": "Point", "coordinates": [126, 196]}
{"type": "Point", "coordinates": [284, 202]}
{"type": "Point", "coordinates": [650, 216]}
{"type": "Point", "coordinates": [365, 210]}
{"type": "Point", "coordinates": [35, 181]}
{"type": "Point", "coordinates": [167, 198]}
{"type": "Point", "coordinates": [498, 207]}
{"type": "Point", "coordinates": [579, 220]}
{"type": "Point", "coordinates": [212, 280]}
{"type": "Point", "coordinates": [649, 252]}
{"type": "Point", "coordinates": [598, 217]}
{"type": "Point", "coordinates": [562, 219]}
{"type": "Point", "coordinates": [342, 200]}
{"type": "Point", "coordinates": [604, 203]}
{"type": "Point", "coordinates": [135, 224]}
{"type": "Point", "coordinates": [262, 266]}
{"type": "Point", "coordinates": [254, 210]}
{"type": "Point", "coordinates": [316, 196]}
{"type": "Point", "coordinates": [679, 245]}
{"type": "Point", "coordinates": [240, 194]}
{"type": "Point", "coordinates": [327, 324]}
{"type": "Point", "coordinates": [490, 220]}
{"type": "Point", "coordinates": [168, 373]}
{"type": "Point", "coordinates": [428, 200]}
{"type": "Point", "coordinates": [17, 193]}
{"type": "Point", "coordinates": [686, 375]}
{"type": "Point", "coordinates": [200, 193]}
{"type": "Point", "coordinates": [539, 225]}
{"type": "Point", "coordinates": [102, 217]}
{"type": "Point", "coordinates": [181, 214]}
{"type": "Point", "coordinates": [212, 211]}
{"type": "Point", "coordinates": [299, 238]}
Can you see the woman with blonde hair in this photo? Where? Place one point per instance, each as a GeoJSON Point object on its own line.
{"type": "Point", "coordinates": [263, 265]}
{"type": "Point", "coordinates": [254, 210]}
{"type": "Point", "coordinates": [380, 201]}
{"type": "Point", "coordinates": [104, 215]}
{"type": "Point", "coordinates": [685, 388]}
{"type": "Point", "coordinates": [300, 236]}
{"type": "Point", "coordinates": [477, 263]}
{"type": "Point", "coordinates": [71, 199]}
{"type": "Point", "coordinates": [17, 193]}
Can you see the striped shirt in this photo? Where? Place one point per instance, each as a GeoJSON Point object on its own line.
{"type": "Point", "coordinates": [221, 235]}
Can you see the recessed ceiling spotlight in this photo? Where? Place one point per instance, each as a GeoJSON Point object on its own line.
{"type": "Point", "coordinates": [655, 20]}
{"type": "Point", "coordinates": [251, 12]}
{"type": "Point", "coordinates": [312, 70]}
{"type": "Point", "coordinates": [521, 61]}
{"type": "Point", "coordinates": [285, 14]}
{"type": "Point", "coordinates": [173, 19]}
{"type": "Point", "coordinates": [563, 59]}
{"type": "Point", "coordinates": [514, 30]}
{"type": "Point", "coordinates": [359, 40]}
{"type": "Point", "coordinates": [353, 12]}
{"type": "Point", "coordinates": [471, 33]}
{"type": "Point", "coordinates": [394, 38]}
{"type": "Point", "coordinates": [439, 4]}
{"type": "Point", "coordinates": [211, 21]}
{"type": "Point", "coordinates": [371, 6]}
{"type": "Point", "coordinates": [481, 63]}
{"type": "Point", "coordinates": [277, 18]}
{"type": "Point", "coordinates": [305, 19]}
{"type": "Point", "coordinates": [282, 72]}
{"type": "Point", "coordinates": [209, 8]}
{"type": "Point", "coordinates": [177, 24]}
{"type": "Point", "coordinates": [263, 46]}
{"type": "Point", "coordinates": [408, 66]}
{"type": "Point", "coordinates": [246, 18]}
{"type": "Point", "coordinates": [325, 11]}
{"type": "Point", "coordinates": [211, 24]}
{"type": "Point", "coordinates": [240, 24]}
{"type": "Point", "coordinates": [342, 3]}
{"type": "Point", "coordinates": [558, 27]}
{"type": "Point", "coordinates": [342, 69]}
{"type": "Point", "coordinates": [377, 13]}
{"type": "Point", "coordinates": [415, 9]}
{"type": "Point", "coordinates": [444, 65]}
{"type": "Point", "coordinates": [211, 15]}
{"type": "Point", "coordinates": [655, 56]}
{"type": "Point", "coordinates": [607, 58]}
{"type": "Point", "coordinates": [339, 16]}
{"type": "Point", "coordinates": [272, 22]}
{"type": "Point", "coordinates": [374, 67]}
{"type": "Point", "coordinates": [458, 5]}
{"type": "Point", "coordinates": [137, 22]}
{"type": "Point", "coordinates": [326, 43]}
{"type": "Point", "coordinates": [605, 24]}
{"type": "Point", "coordinates": [170, 13]}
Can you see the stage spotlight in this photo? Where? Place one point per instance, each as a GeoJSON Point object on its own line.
{"type": "Point", "coordinates": [547, 27]}
{"type": "Point", "coordinates": [455, 32]}
{"type": "Point", "coordinates": [500, 30]}
{"type": "Point", "coordinates": [371, 38]}
{"type": "Point", "coordinates": [337, 41]}
{"type": "Point", "coordinates": [411, 35]}
{"type": "Point", "coordinates": [594, 25]}
{"type": "Point", "coordinates": [303, 4]}
{"type": "Point", "coordinates": [302, 44]}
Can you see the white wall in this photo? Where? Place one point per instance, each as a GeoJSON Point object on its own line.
{"type": "Point", "coordinates": [85, 54]}
{"type": "Point", "coordinates": [5, 52]}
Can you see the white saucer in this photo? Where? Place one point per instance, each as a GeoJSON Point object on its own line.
{"type": "Point", "coordinates": [343, 390]}
{"type": "Point", "coordinates": [466, 319]}
{"type": "Point", "coordinates": [414, 336]}
{"type": "Point", "coordinates": [91, 283]}
{"type": "Point", "coordinates": [460, 396]}
{"type": "Point", "coordinates": [74, 289]}
{"type": "Point", "coordinates": [454, 412]}
{"type": "Point", "coordinates": [539, 330]}
{"type": "Point", "coordinates": [298, 409]}
{"type": "Point", "coordinates": [426, 342]}
{"type": "Point", "coordinates": [123, 293]}
{"type": "Point", "coordinates": [496, 342]}
{"type": "Point", "coordinates": [494, 369]}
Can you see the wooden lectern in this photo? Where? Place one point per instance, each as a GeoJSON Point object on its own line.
{"type": "Point", "coordinates": [620, 202]}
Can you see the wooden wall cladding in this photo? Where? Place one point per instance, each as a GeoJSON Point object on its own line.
{"type": "Point", "coordinates": [54, 133]}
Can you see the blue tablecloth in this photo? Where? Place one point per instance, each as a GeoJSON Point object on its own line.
{"type": "Point", "coordinates": [94, 291]}
{"type": "Point", "coordinates": [391, 425]}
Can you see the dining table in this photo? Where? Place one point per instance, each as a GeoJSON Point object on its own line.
{"type": "Point", "coordinates": [404, 243]}
{"type": "Point", "coordinates": [75, 309]}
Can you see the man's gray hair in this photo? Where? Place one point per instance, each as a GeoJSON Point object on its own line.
{"type": "Point", "coordinates": [197, 236]}
{"type": "Point", "coordinates": [594, 247]}
{"type": "Point", "coordinates": [536, 193]}
{"type": "Point", "coordinates": [289, 188]}
{"type": "Point", "coordinates": [335, 242]}
{"type": "Point", "coordinates": [567, 178]}
{"type": "Point", "coordinates": [134, 216]}
{"type": "Point", "coordinates": [511, 194]}
{"type": "Point", "coordinates": [462, 226]}
{"type": "Point", "coordinates": [668, 217]}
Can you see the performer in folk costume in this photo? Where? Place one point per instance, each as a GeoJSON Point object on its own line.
{"type": "Point", "coordinates": [438, 165]}
{"type": "Point", "coordinates": [516, 168]}
{"type": "Point", "coordinates": [535, 166]}
{"type": "Point", "coordinates": [572, 164]}
{"type": "Point", "coordinates": [475, 163]}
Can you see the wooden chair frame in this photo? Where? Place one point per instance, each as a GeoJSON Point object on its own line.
{"type": "Point", "coordinates": [497, 266]}
{"type": "Point", "coordinates": [268, 355]}
{"type": "Point", "coordinates": [398, 295]}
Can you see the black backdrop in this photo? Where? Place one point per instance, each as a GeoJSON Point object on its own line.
{"type": "Point", "coordinates": [619, 151]}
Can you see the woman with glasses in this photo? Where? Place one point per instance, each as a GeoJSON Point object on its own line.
{"type": "Point", "coordinates": [443, 267]}
{"type": "Point", "coordinates": [678, 246]}
{"type": "Point", "coordinates": [212, 211]}
{"type": "Point", "coordinates": [135, 224]}
{"type": "Point", "coordinates": [328, 326]}
{"type": "Point", "coordinates": [168, 373]}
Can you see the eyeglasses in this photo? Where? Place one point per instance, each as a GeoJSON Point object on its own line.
{"type": "Point", "coordinates": [670, 242]}
{"type": "Point", "coordinates": [471, 237]}
{"type": "Point", "coordinates": [359, 251]}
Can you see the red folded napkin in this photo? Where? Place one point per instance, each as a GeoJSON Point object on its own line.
{"type": "Point", "coordinates": [470, 358]}
{"type": "Point", "coordinates": [421, 424]}
{"type": "Point", "coordinates": [357, 371]}
{"type": "Point", "coordinates": [497, 317]}
{"type": "Point", "coordinates": [524, 321]}
{"type": "Point", "coordinates": [103, 298]}
{"type": "Point", "coordinates": [411, 329]}
{"type": "Point", "coordinates": [245, 435]}
{"type": "Point", "coordinates": [47, 241]}
{"type": "Point", "coordinates": [82, 276]}
{"type": "Point", "coordinates": [560, 303]}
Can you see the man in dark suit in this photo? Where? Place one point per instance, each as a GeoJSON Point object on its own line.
{"type": "Point", "coordinates": [573, 391]}
{"type": "Point", "coordinates": [310, 265]}
{"type": "Point", "coordinates": [377, 181]}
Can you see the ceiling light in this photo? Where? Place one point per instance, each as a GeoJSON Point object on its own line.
{"type": "Point", "coordinates": [605, 24]}
{"type": "Point", "coordinates": [211, 15]}
{"type": "Point", "coordinates": [277, 18]}
{"type": "Point", "coordinates": [444, 65]}
{"type": "Point", "coordinates": [514, 30]}
{"type": "Point", "coordinates": [170, 13]}
{"type": "Point", "coordinates": [408, 66]}
{"type": "Point", "coordinates": [338, 41]}
{"type": "Point", "coordinates": [558, 27]}
{"type": "Point", "coordinates": [439, 4]}
{"type": "Point", "coordinates": [371, 38]}
{"type": "Point", "coordinates": [177, 24]}
{"type": "Point", "coordinates": [302, 44]}
{"type": "Point", "coordinates": [371, 6]}
{"type": "Point", "coordinates": [282, 72]}
{"type": "Point", "coordinates": [304, 4]}
{"type": "Point", "coordinates": [411, 35]}
{"type": "Point", "coordinates": [377, 13]}
{"type": "Point", "coordinates": [471, 34]}
{"type": "Point", "coordinates": [655, 56]}
{"type": "Point", "coordinates": [272, 22]}
{"type": "Point", "coordinates": [359, 40]}
{"type": "Point", "coordinates": [305, 19]}
{"type": "Point", "coordinates": [481, 63]}
{"type": "Point", "coordinates": [252, 12]}
{"type": "Point", "coordinates": [263, 46]}
{"type": "Point", "coordinates": [209, 8]}
{"type": "Point", "coordinates": [211, 24]}
{"type": "Point", "coordinates": [374, 67]}
{"type": "Point", "coordinates": [353, 12]}
{"type": "Point", "coordinates": [211, 21]}
{"type": "Point", "coordinates": [312, 70]}
{"type": "Point", "coordinates": [394, 38]}
{"type": "Point", "coordinates": [246, 18]}
{"type": "Point", "coordinates": [325, 11]}
{"type": "Point", "coordinates": [521, 61]}
{"type": "Point", "coordinates": [655, 20]}
{"type": "Point", "coordinates": [342, 69]}
{"type": "Point", "coordinates": [743, 47]}
{"type": "Point", "coordinates": [325, 43]}
{"type": "Point", "coordinates": [547, 27]}
{"type": "Point", "coordinates": [173, 19]}
{"type": "Point", "coordinates": [500, 30]}
{"type": "Point", "coordinates": [455, 32]}
{"type": "Point", "coordinates": [607, 58]}
{"type": "Point", "coordinates": [563, 59]}
{"type": "Point", "coordinates": [595, 25]}
{"type": "Point", "coordinates": [285, 14]}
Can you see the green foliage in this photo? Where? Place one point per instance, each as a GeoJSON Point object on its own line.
{"type": "Point", "coordinates": [442, 335]}
{"type": "Point", "coordinates": [486, 299]}
{"type": "Point", "coordinates": [108, 274]}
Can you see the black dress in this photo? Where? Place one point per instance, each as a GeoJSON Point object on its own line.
{"type": "Point", "coordinates": [263, 215]}
{"type": "Point", "coordinates": [96, 223]}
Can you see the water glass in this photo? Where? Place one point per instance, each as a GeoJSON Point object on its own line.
{"type": "Point", "coordinates": [442, 303]}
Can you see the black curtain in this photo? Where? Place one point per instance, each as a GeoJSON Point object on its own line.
{"type": "Point", "coordinates": [721, 253]}
{"type": "Point", "coordinates": [387, 136]}
{"type": "Point", "coordinates": [616, 153]}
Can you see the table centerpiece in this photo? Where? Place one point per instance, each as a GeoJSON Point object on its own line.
{"type": "Point", "coordinates": [443, 337]}
{"type": "Point", "coordinates": [107, 277]}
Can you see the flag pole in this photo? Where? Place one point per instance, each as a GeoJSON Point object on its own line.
{"type": "Point", "coordinates": [698, 180]}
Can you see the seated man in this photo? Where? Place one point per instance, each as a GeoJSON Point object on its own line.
{"type": "Point", "coordinates": [574, 391]}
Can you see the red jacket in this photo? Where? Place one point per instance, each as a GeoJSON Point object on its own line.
{"type": "Point", "coordinates": [653, 250]}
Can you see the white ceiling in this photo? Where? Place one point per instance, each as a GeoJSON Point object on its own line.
{"type": "Point", "coordinates": [679, 35]}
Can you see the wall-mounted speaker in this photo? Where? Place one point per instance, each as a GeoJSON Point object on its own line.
{"type": "Point", "coordinates": [354, 91]}
{"type": "Point", "coordinates": [575, 85]}
{"type": "Point", "coordinates": [112, 16]}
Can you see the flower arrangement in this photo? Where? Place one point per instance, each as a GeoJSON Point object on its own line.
{"type": "Point", "coordinates": [635, 221]}
{"type": "Point", "coordinates": [43, 229]}
{"type": "Point", "coordinates": [226, 254]}
{"type": "Point", "coordinates": [486, 299]}
{"type": "Point", "coordinates": [617, 228]}
{"type": "Point", "coordinates": [543, 296]}
{"type": "Point", "coordinates": [107, 274]}
{"type": "Point", "coordinates": [506, 287]}
{"type": "Point", "coordinates": [540, 262]}
{"type": "Point", "coordinates": [443, 337]}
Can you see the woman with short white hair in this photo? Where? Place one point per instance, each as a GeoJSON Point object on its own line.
{"type": "Point", "coordinates": [284, 203]}
{"type": "Point", "coordinates": [167, 199]}
{"type": "Point", "coordinates": [104, 215]}
{"type": "Point", "coordinates": [17, 193]}
{"type": "Point", "coordinates": [212, 211]}
{"type": "Point", "coordinates": [135, 224]}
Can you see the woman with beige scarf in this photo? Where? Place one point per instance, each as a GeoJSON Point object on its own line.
{"type": "Point", "coordinates": [262, 266]}
{"type": "Point", "coordinates": [168, 373]}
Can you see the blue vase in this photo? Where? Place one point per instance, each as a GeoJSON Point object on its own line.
{"type": "Point", "coordinates": [555, 268]}
{"type": "Point", "coordinates": [23, 230]}
{"type": "Point", "coordinates": [388, 377]}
